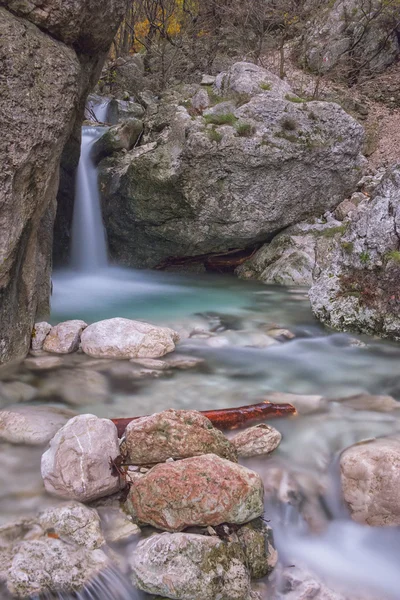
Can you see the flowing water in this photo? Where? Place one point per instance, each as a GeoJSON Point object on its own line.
{"type": "Point", "coordinates": [223, 322]}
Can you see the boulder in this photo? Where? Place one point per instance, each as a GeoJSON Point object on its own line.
{"type": "Point", "coordinates": [290, 257]}
{"type": "Point", "coordinates": [124, 338]}
{"type": "Point", "coordinates": [230, 178]}
{"type": "Point", "coordinates": [187, 566]}
{"type": "Point", "coordinates": [120, 137]}
{"type": "Point", "coordinates": [370, 475]}
{"type": "Point", "coordinates": [174, 434]}
{"type": "Point", "coordinates": [256, 441]}
{"type": "Point", "coordinates": [121, 110]}
{"type": "Point", "coordinates": [205, 490]}
{"type": "Point", "coordinates": [77, 463]}
{"type": "Point", "coordinates": [356, 284]}
{"type": "Point", "coordinates": [73, 523]}
{"type": "Point", "coordinates": [257, 541]}
{"type": "Point", "coordinates": [39, 335]}
{"type": "Point", "coordinates": [35, 128]}
{"type": "Point", "coordinates": [34, 425]}
{"type": "Point", "coordinates": [64, 337]}
{"type": "Point", "coordinates": [46, 565]}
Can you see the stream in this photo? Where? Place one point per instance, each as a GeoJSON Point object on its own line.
{"type": "Point", "coordinates": [224, 323]}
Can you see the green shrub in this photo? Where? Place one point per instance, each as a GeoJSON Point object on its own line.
{"type": "Point", "coordinates": [365, 257]}
{"type": "Point", "coordinates": [393, 255]}
{"type": "Point", "coordinates": [266, 86]}
{"type": "Point", "coordinates": [348, 247]}
{"type": "Point", "coordinates": [224, 119]}
{"type": "Point", "coordinates": [332, 231]}
{"type": "Point", "coordinates": [244, 129]}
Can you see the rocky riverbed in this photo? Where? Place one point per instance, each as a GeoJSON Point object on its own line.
{"type": "Point", "coordinates": [176, 508]}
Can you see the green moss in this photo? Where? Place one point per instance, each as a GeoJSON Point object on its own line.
{"type": "Point", "coordinates": [365, 257]}
{"type": "Point", "coordinates": [294, 99]}
{"type": "Point", "coordinates": [224, 119]}
{"type": "Point", "coordinates": [332, 231]}
{"type": "Point", "coordinates": [266, 86]}
{"type": "Point", "coordinates": [244, 129]}
{"type": "Point", "coordinates": [393, 255]}
{"type": "Point", "coordinates": [348, 247]}
{"type": "Point", "coordinates": [214, 135]}
{"type": "Point", "coordinates": [212, 96]}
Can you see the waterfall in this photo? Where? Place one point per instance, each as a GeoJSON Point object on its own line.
{"type": "Point", "coordinates": [88, 243]}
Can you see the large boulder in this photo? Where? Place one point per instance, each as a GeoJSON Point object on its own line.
{"type": "Point", "coordinates": [77, 464]}
{"type": "Point", "coordinates": [370, 475]}
{"type": "Point", "coordinates": [251, 164]}
{"type": "Point", "coordinates": [205, 490]}
{"type": "Point", "coordinates": [73, 523]}
{"type": "Point", "coordinates": [174, 434]}
{"type": "Point", "coordinates": [46, 82]}
{"type": "Point", "coordinates": [187, 566]}
{"type": "Point", "coordinates": [64, 337]}
{"type": "Point", "coordinates": [357, 283]}
{"type": "Point", "coordinates": [125, 338]}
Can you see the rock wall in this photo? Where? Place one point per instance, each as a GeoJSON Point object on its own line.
{"type": "Point", "coordinates": [49, 61]}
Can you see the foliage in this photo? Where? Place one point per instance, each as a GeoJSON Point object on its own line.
{"type": "Point", "coordinates": [214, 135]}
{"type": "Point", "coordinates": [224, 119]}
{"type": "Point", "coordinates": [244, 129]}
{"type": "Point", "coordinates": [365, 257]}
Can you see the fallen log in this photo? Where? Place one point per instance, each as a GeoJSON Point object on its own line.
{"type": "Point", "coordinates": [232, 418]}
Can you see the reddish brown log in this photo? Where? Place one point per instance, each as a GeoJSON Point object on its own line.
{"type": "Point", "coordinates": [232, 418]}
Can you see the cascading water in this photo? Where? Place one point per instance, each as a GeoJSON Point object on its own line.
{"type": "Point", "coordinates": [88, 246]}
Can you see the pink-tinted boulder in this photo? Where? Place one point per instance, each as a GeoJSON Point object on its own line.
{"type": "Point", "coordinates": [205, 490]}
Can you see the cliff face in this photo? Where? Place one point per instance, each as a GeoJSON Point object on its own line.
{"type": "Point", "coordinates": [48, 63]}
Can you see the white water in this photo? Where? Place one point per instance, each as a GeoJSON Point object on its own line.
{"type": "Point", "coordinates": [88, 245]}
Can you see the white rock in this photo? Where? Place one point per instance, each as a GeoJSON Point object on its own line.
{"type": "Point", "coordinates": [207, 80]}
{"type": "Point", "coordinates": [43, 363]}
{"type": "Point", "coordinates": [181, 361]}
{"type": "Point", "coordinates": [17, 391]}
{"type": "Point", "coordinates": [31, 424]}
{"type": "Point", "coordinates": [49, 564]}
{"type": "Point", "coordinates": [125, 338]}
{"type": "Point", "coordinates": [370, 475]}
{"type": "Point", "coordinates": [200, 101]}
{"type": "Point", "coordinates": [77, 387]}
{"type": "Point", "coordinates": [76, 465]}
{"type": "Point", "coordinates": [151, 363]}
{"type": "Point", "coordinates": [64, 337]}
{"type": "Point", "coordinates": [73, 523]}
{"type": "Point", "coordinates": [39, 335]}
{"type": "Point", "coordinates": [173, 565]}
{"type": "Point", "coordinates": [256, 441]}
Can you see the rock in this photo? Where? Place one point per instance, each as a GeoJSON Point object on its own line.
{"type": "Point", "coordinates": [121, 110]}
{"type": "Point", "coordinates": [151, 363]}
{"type": "Point", "coordinates": [82, 24]}
{"type": "Point", "coordinates": [248, 78]}
{"type": "Point", "coordinates": [174, 434]}
{"type": "Point", "coordinates": [207, 80]}
{"type": "Point", "coordinates": [120, 137]}
{"type": "Point", "coordinates": [370, 475]}
{"type": "Point", "coordinates": [116, 525]}
{"type": "Point", "coordinates": [181, 361]}
{"type": "Point", "coordinates": [257, 542]}
{"type": "Point", "coordinates": [39, 334]}
{"type": "Point", "coordinates": [124, 338]}
{"type": "Point", "coordinates": [256, 441]}
{"type": "Point", "coordinates": [369, 402]}
{"type": "Point", "coordinates": [290, 257]}
{"type": "Point", "coordinates": [187, 566]}
{"type": "Point", "coordinates": [34, 425]}
{"type": "Point", "coordinates": [297, 583]}
{"type": "Point", "coordinates": [241, 339]}
{"type": "Point", "coordinates": [245, 156]}
{"type": "Point", "coordinates": [64, 337]}
{"type": "Point", "coordinates": [68, 568]}
{"type": "Point", "coordinates": [77, 463]}
{"type": "Point", "coordinates": [77, 387]}
{"type": "Point", "coordinates": [17, 391]}
{"type": "Point", "coordinates": [304, 404]}
{"type": "Point", "coordinates": [344, 209]}
{"type": "Point", "coordinates": [205, 490]}
{"type": "Point", "coordinates": [73, 523]}
{"type": "Point", "coordinates": [342, 27]}
{"type": "Point", "coordinates": [200, 101]}
{"type": "Point", "coordinates": [356, 285]}
{"type": "Point", "coordinates": [35, 128]}
{"type": "Point", "coordinates": [43, 363]}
